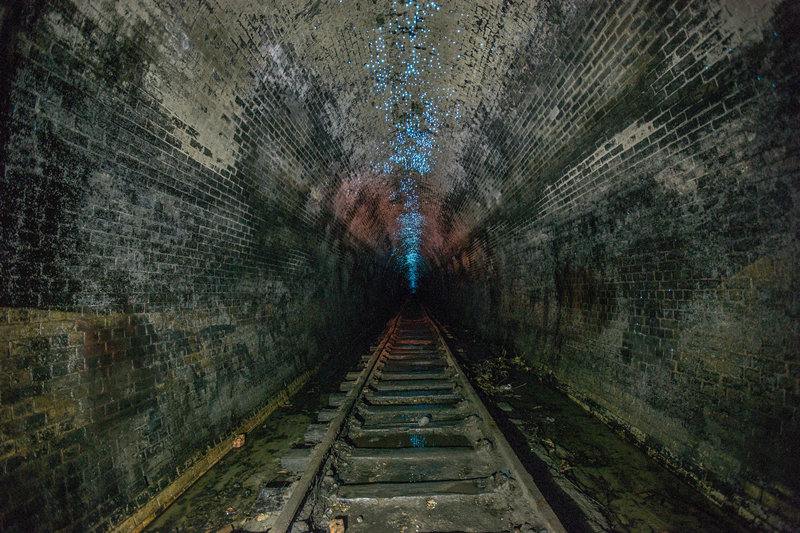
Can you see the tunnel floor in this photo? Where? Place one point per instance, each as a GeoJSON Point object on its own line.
{"type": "Point", "coordinates": [594, 479]}
{"type": "Point", "coordinates": [248, 483]}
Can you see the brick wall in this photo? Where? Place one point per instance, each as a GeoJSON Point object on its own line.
{"type": "Point", "coordinates": [637, 199]}
{"type": "Point", "coordinates": [167, 266]}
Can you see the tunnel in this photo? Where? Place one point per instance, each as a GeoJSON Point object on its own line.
{"type": "Point", "coordinates": [205, 202]}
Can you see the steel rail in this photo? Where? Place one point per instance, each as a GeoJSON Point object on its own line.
{"type": "Point", "coordinates": [301, 491]}
{"type": "Point", "coordinates": [520, 472]}
{"type": "Point", "coordinates": [397, 350]}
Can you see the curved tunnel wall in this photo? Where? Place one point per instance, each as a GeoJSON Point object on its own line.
{"type": "Point", "coordinates": [639, 198]}
{"type": "Point", "coordinates": [166, 266]}
{"type": "Point", "coordinates": [185, 229]}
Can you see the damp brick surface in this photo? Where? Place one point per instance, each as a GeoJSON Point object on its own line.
{"type": "Point", "coordinates": [191, 217]}
{"type": "Point", "coordinates": [162, 276]}
{"type": "Point", "coordinates": [638, 235]}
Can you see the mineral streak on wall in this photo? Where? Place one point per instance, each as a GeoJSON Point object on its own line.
{"type": "Point", "coordinates": [170, 260]}
{"type": "Point", "coordinates": [200, 200]}
{"type": "Point", "coordinates": [635, 207]}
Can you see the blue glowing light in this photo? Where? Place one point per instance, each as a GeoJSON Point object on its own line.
{"type": "Point", "coordinates": [411, 225]}
{"type": "Point", "coordinates": [417, 441]}
{"type": "Point", "coordinates": [404, 62]}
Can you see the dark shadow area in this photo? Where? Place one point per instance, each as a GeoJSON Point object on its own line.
{"type": "Point", "coordinates": [593, 478]}
{"type": "Point", "coordinates": [249, 482]}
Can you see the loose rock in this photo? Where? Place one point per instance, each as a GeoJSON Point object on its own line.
{"type": "Point", "coordinates": [336, 526]}
{"type": "Point", "coordinates": [505, 407]}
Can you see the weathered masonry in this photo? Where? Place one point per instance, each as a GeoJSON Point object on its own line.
{"type": "Point", "coordinates": [202, 201]}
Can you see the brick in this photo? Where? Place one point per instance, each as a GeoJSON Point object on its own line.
{"type": "Point", "coordinates": [165, 216]}
{"type": "Point", "coordinates": [133, 240]}
{"type": "Point", "coordinates": [599, 223]}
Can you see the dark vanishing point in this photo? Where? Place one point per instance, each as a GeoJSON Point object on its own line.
{"type": "Point", "coordinates": [414, 266]}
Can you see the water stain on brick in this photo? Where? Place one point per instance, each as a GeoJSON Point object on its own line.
{"type": "Point", "coordinates": [676, 223]}
{"type": "Point", "coordinates": [579, 290]}
{"type": "Point", "coordinates": [125, 54]}
{"type": "Point", "coordinates": [616, 207]}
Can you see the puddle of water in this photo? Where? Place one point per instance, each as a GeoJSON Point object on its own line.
{"type": "Point", "coordinates": [233, 489]}
{"type": "Point", "coordinates": [630, 490]}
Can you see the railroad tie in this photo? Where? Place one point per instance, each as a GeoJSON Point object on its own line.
{"type": "Point", "coordinates": [412, 448]}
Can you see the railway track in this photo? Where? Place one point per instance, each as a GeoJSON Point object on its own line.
{"type": "Point", "coordinates": [409, 447]}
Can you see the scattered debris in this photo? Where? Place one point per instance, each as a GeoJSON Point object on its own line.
{"type": "Point", "coordinates": [238, 442]}
{"type": "Point", "coordinates": [339, 506]}
{"type": "Point", "coordinates": [336, 525]}
{"type": "Point", "coordinates": [272, 499]}
{"type": "Point", "coordinates": [300, 527]}
{"type": "Point", "coordinates": [484, 445]}
{"type": "Point", "coordinates": [431, 504]}
{"type": "Point", "coordinates": [492, 375]}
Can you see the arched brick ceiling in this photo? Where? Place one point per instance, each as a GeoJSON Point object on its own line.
{"type": "Point", "coordinates": [202, 199]}
{"type": "Point", "coordinates": [360, 52]}
{"type": "Point", "coordinates": [468, 46]}
{"type": "Point", "coordinates": [457, 53]}
{"type": "Point", "coordinates": [410, 121]}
